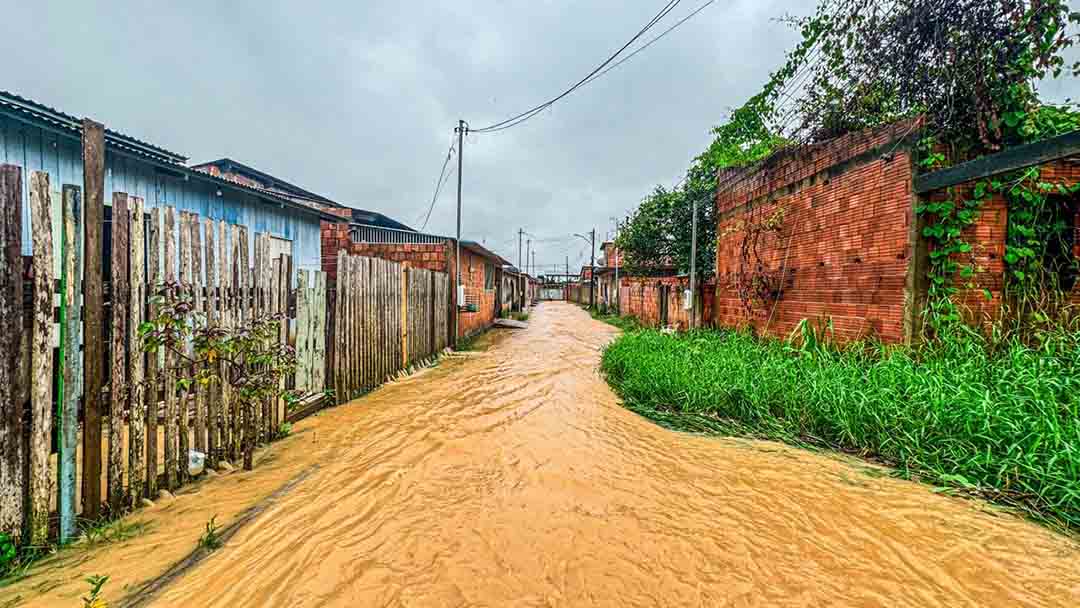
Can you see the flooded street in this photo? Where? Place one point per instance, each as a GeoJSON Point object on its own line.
{"type": "Point", "coordinates": [512, 477]}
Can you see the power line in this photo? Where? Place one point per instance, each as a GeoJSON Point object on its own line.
{"type": "Point", "coordinates": [439, 183]}
{"type": "Point", "coordinates": [650, 43]}
{"type": "Point", "coordinates": [526, 115]}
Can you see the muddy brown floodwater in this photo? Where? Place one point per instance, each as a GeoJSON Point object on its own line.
{"type": "Point", "coordinates": [514, 478]}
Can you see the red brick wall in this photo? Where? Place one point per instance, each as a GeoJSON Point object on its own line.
{"type": "Point", "coordinates": [472, 273]}
{"type": "Point", "coordinates": [641, 299]}
{"type": "Point", "coordinates": [841, 248]}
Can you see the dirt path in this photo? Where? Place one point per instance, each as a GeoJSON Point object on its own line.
{"type": "Point", "coordinates": [514, 478]}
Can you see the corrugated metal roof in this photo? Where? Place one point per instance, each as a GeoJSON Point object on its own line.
{"type": "Point", "coordinates": [42, 113]}
{"type": "Point", "coordinates": [482, 251]}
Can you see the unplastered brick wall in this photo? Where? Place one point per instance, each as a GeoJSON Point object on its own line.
{"type": "Point", "coordinates": [641, 298]}
{"type": "Point", "coordinates": [834, 222]}
{"type": "Point", "coordinates": [472, 274]}
{"type": "Point", "coordinates": [988, 237]}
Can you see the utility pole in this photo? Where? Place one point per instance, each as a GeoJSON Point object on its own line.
{"type": "Point", "coordinates": [520, 232]}
{"type": "Point", "coordinates": [458, 288]}
{"type": "Point", "coordinates": [592, 269]}
{"type": "Point", "coordinates": [534, 261]}
{"type": "Point", "coordinates": [618, 287]}
{"type": "Point", "coordinates": [528, 248]}
{"type": "Point", "coordinates": [693, 264]}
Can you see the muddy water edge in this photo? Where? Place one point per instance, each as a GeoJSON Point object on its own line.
{"type": "Point", "coordinates": [513, 477]}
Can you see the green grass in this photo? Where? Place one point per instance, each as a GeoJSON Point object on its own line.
{"type": "Point", "coordinates": [625, 323]}
{"type": "Point", "coordinates": [520, 316]}
{"type": "Point", "coordinates": [1000, 419]}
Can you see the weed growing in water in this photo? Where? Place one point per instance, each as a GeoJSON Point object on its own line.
{"type": "Point", "coordinates": [95, 600]}
{"type": "Point", "coordinates": [210, 539]}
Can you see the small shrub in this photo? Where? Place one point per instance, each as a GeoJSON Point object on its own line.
{"type": "Point", "coordinates": [284, 430]}
{"type": "Point", "coordinates": [8, 554]}
{"type": "Point", "coordinates": [210, 539]}
{"type": "Point", "coordinates": [521, 316]}
{"type": "Point", "coordinates": [95, 600]}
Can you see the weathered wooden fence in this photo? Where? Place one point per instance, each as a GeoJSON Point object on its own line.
{"type": "Point", "coordinates": [387, 317]}
{"type": "Point", "coordinates": [82, 360]}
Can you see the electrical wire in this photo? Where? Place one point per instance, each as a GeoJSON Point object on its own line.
{"type": "Point", "coordinates": [439, 183]}
{"type": "Point", "coordinates": [526, 115]}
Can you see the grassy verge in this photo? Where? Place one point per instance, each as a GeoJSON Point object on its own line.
{"type": "Point", "coordinates": [627, 323]}
{"type": "Point", "coordinates": [1000, 420]}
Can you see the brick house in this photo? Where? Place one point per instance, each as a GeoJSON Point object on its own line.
{"type": "Point", "coordinates": [829, 232]}
{"type": "Point", "coordinates": [483, 271]}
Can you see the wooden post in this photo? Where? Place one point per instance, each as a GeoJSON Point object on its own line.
{"type": "Point", "coordinates": [213, 319]}
{"type": "Point", "coordinates": [171, 439]}
{"type": "Point", "coordinates": [339, 328]}
{"type": "Point", "coordinates": [118, 389]}
{"type": "Point", "coordinates": [41, 357]}
{"type": "Point", "coordinates": [404, 314]}
{"type": "Point", "coordinates": [184, 418]}
{"type": "Point", "coordinates": [303, 332]}
{"type": "Point", "coordinates": [197, 286]}
{"type": "Point", "coordinates": [153, 390]}
{"type": "Point", "coordinates": [318, 331]}
{"type": "Point", "coordinates": [72, 366]}
{"type": "Point", "coordinates": [137, 356]}
{"type": "Point", "coordinates": [93, 141]}
{"type": "Point", "coordinates": [225, 303]}
{"type": "Point", "coordinates": [12, 466]}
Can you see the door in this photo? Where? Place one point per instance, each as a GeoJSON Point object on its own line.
{"type": "Point", "coordinates": [665, 291]}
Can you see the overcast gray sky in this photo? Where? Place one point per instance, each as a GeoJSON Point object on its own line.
{"type": "Point", "coordinates": [357, 100]}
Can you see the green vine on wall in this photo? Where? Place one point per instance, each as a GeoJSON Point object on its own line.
{"type": "Point", "coordinates": [1037, 229]}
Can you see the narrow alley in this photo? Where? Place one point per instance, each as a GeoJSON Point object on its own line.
{"type": "Point", "coordinates": [512, 477]}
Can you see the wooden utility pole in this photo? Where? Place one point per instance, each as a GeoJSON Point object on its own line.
{"type": "Point", "coordinates": [592, 268]}
{"type": "Point", "coordinates": [693, 264]}
{"type": "Point", "coordinates": [457, 242]}
{"type": "Point", "coordinates": [93, 140]}
{"type": "Point", "coordinates": [521, 232]}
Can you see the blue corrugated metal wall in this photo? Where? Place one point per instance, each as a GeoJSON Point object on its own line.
{"type": "Point", "coordinates": [38, 149]}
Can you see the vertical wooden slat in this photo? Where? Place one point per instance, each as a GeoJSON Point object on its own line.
{"type": "Point", "coordinates": [303, 333]}
{"type": "Point", "coordinates": [184, 400]}
{"type": "Point", "coordinates": [72, 367]}
{"type": "Point", "coordinates": [340, 323]}
{"type": "Point", "coordinates": [267, 429]}
{"type": "Point", "coordinates": [12, 466]}
{"type": "Point", "coordinates": [241, 316]}
{"type": "Point", "coordinates": [153, 361]}
{"type": "Point", "coordinates": [118, 390]}
{"type": "Point", "coordinates": [235, 319]}
{"type": "Point", "coordinates": [93, 141]}
{"type": "Point", "coordinates": [247, 414]}
{"type": "Point", "coordinates": [137, 418]}
{"type": "Point", "coordinates": [198, 285]}
{"type": "Point", "coordinates": [171, 414]}
{"type": "Point", "coordinates": [354, 326]}
{"type": "Point", "coordinates": [403, 284]}
{"type": "Point", "coordinates": [318, 366]}
{"type": "Point", "coordinates": [225, 318]}
{"type": "Point", "coordinates": [213, 319]}
{"type": "Point", "coordinates": [41, 361]}
{"type": "Point", "coordinates": [283, 284]}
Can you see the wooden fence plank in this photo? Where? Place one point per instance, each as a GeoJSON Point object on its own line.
{"type": "Point", "coordinates": [339, 329]}
{"type": "Point", "coordinates": [238, 262]}
{"type": "Point", "coordinates": [12, 466]}
{"type": "Point", "coordinates": [94, 348]}
{"type": "Point", "coordinates": [303, 333]}
{"type": "Point", "coordinates": [119, 299]}
{"type": "Point", "coordinates": [225, 318]}
{"type": "Point", "coordinates": [41, 357]}
{"type": "Point", "coordinates": [171, 414]}
{"type": "Point", "coordinates": [213, 319]}
{"type": "Point", "coordinates": [403, 287]}
{"type": "Point", "coordinates": [153, 361]}
{"type": "Point", "coordinates": [68, 439]}
{"type": "Point", "coordinates": [247, 415]}
{"type": "Point", "coordinates": [184, 419]}
{"type": "Point", "coordinates": [273, 285]}
{"type": "Point", "coordinates": [198, 284]}
{"type": "Point", "coordinates": [318, 366]}
{"type": "Point", "coordinates": [284, 284]}
{"type": "Point", "coordinates": [136, 359]}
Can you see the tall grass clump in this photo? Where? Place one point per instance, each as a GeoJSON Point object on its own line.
{"type": "Point", "coordinates": [997, 416]}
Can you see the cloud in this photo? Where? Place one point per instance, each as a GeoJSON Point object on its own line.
{"type": "Point", "coordinates": [357, 100]}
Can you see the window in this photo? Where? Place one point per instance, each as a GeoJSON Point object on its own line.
{"type": "Point", "coordinates": [489, 277]}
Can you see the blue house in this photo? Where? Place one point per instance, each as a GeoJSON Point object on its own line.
{"type": "Point", "coordinates": [39, 138]}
